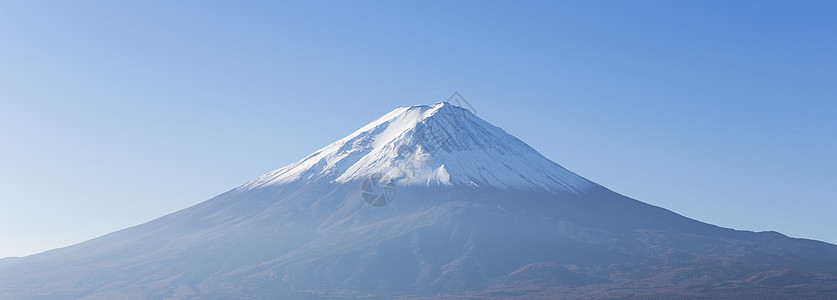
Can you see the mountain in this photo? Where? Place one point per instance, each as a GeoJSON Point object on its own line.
{"type": "Point", "coordinates": [426, 201]}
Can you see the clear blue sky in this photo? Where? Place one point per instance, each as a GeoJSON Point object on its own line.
{"type": "Point", "coordinates": [113, 113]}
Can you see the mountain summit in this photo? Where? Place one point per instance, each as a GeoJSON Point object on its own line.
{"type": "Point", "coordinates": [425, 145]}
{"type": "Point", "coordinates": [426, 201]}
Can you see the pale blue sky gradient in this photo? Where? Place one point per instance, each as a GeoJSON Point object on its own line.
{"type": "Point", "coordinates": [113, 113]}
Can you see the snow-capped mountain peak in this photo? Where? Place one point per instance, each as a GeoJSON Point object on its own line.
{"type": "Point", "coordinates": [430, 145]}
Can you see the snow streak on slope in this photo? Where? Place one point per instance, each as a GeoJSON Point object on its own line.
{"type": "Point", "coordinates": [433, 145]}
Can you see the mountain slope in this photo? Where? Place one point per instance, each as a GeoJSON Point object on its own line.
{"type": "Point", "coordinates": [430, 145]}
{"type": "Point", "coordinates": [425, 201]}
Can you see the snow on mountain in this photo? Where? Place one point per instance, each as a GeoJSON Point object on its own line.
{"type": "Point", "coordinates": [442, 144]}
